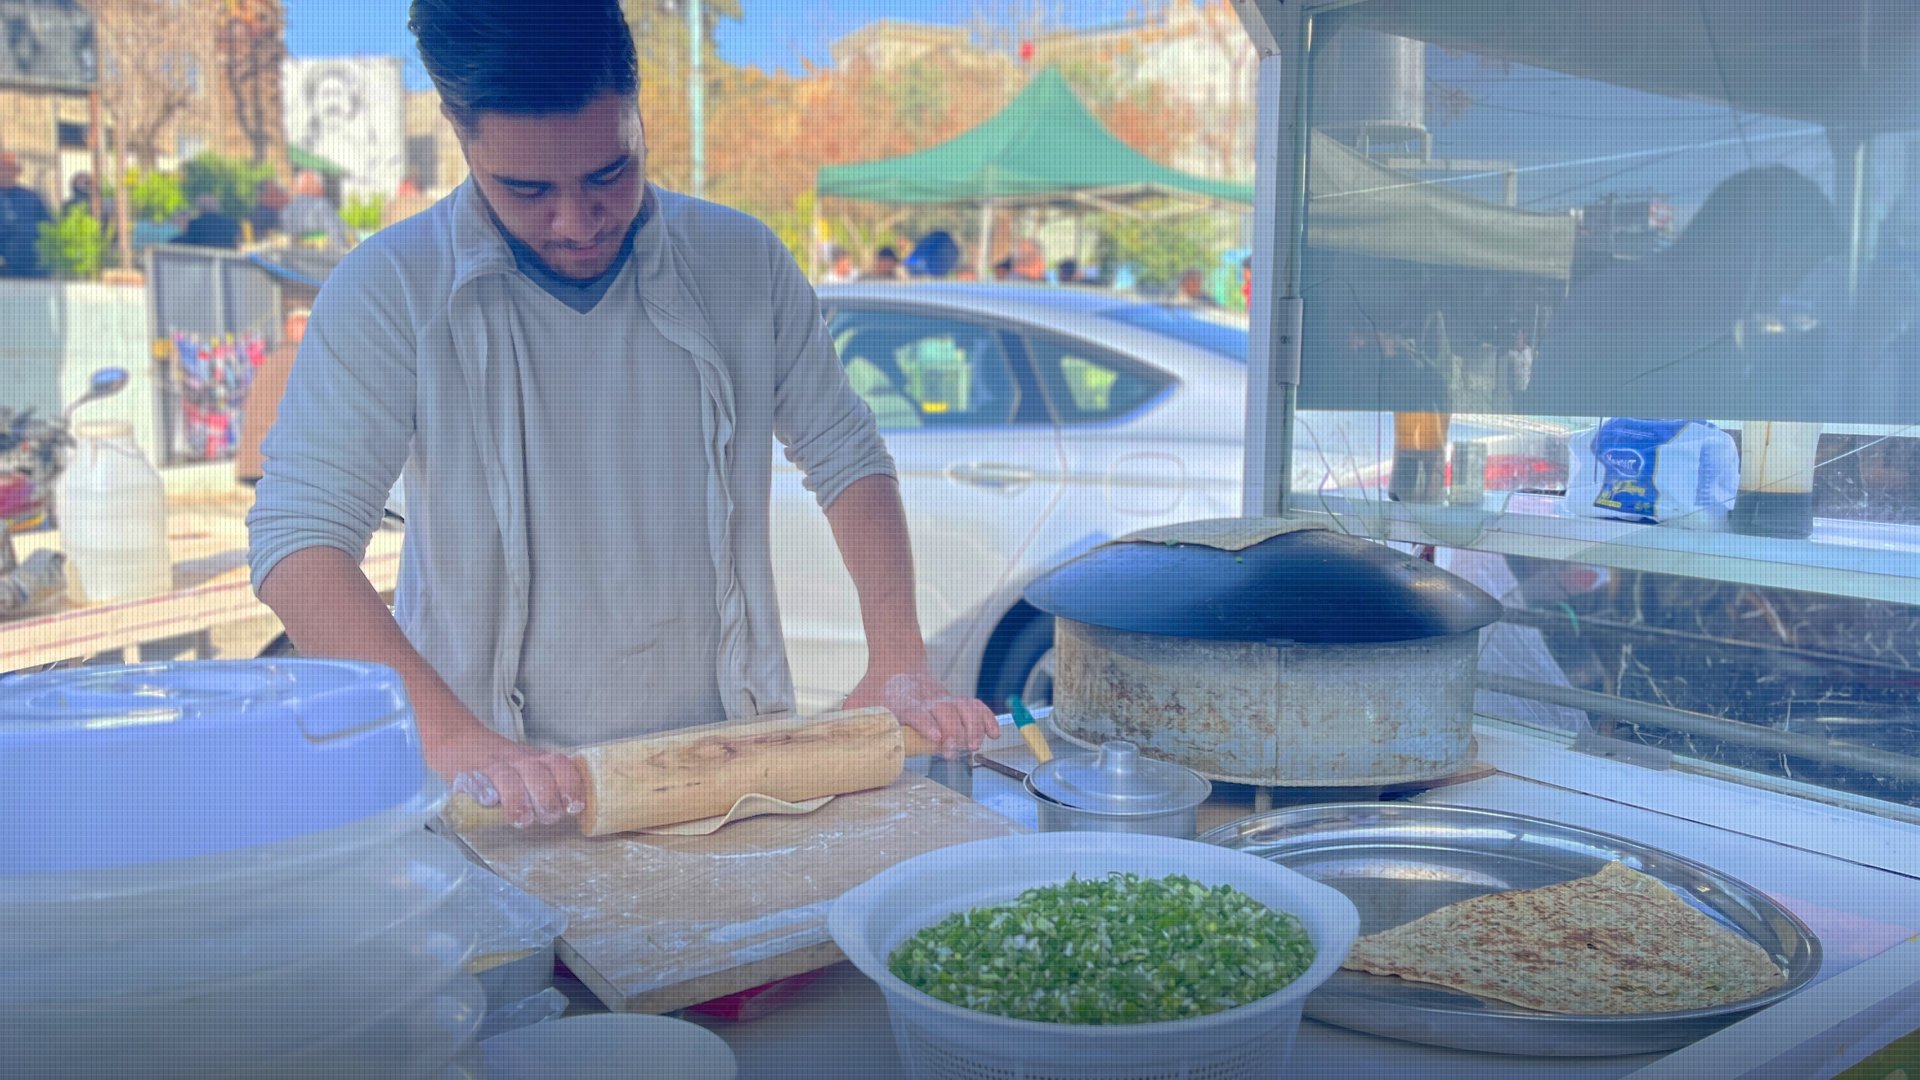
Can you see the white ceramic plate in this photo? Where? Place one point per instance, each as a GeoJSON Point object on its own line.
{"type": "Point", "coordinates": [625, 1045]}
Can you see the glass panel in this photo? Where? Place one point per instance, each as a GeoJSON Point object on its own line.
{"type": "Point", "coordinates": [1639, 286]}
{"type": "Point", "coordinates": [918, 371]}
{"type": "Point", "coordinates": [1088, 385]}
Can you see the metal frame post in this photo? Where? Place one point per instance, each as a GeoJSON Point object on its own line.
{"type": "Point", "coordinates": [1279, 246]}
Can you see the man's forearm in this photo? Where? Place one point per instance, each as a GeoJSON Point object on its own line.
{"type": "Point", "coordinates": [870, 528]}
{"type": "Point", "coordinates": [330, 609]}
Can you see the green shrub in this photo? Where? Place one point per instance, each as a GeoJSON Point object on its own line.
{"type": "Point", "coordinates": [1159, 248]}
{"type": "Point", "coordinates": [362, 212]}
{"type": "Point", "coordinates": [231, 180]}
{"type": "Point", "coordinates": [157, 196]}
{"type": "Point", "coordinates": [74, 246]}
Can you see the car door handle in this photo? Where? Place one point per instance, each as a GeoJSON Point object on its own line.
{"type": "Point", "coordinates": [991, 474]}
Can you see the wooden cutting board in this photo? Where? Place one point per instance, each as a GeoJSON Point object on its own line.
{"type": "Point", "coordinates": [656, 923]}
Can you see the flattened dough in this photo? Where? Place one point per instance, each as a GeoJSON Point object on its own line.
{"type": "Point", "coordinates": [746, 806]}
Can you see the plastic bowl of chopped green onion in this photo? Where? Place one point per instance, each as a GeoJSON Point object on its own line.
{"type": "Point", "coordinates": [1093, 954]}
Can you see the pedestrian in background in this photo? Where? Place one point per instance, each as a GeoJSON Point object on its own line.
{"type": "Point", "coordinates": [22, 212]}
{"type": "Point", "coordinates": [310, 218]}
{"type": "Point", "coordinates": [1029, 262]}
{"type": "Point", "coordinates": [886, 266]}
{"type": "Point", "coordinates": [81, 197]}
{"type": "Point", "coordinates": [934, 256]}
{"type": "Point", "coordinates": [1192, 289]}
{"type": "Point", "coordinates": [840, 268]}
{"type": "Point", "coordinates": [269, 202]}
{"type": "Point", "coordinates": [210, 226]}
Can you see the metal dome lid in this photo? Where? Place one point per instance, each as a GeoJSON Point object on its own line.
{"type": "Point", "coordinates": [1271, 581]}
{"type": "Point", "coordinates": [1118, 779]}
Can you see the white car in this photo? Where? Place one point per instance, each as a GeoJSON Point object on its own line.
{"type": "Point", "coordinates": [1030, 424]}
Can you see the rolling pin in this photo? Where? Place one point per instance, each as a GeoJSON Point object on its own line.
{"type": "Point", "coordinates": [700, 772]}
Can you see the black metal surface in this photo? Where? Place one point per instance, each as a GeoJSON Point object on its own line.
{"type": "Point", "coordinates": [1311, 587]}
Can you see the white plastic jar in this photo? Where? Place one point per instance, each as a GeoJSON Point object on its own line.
{"type": "Point", "coordinates": [112, 506]}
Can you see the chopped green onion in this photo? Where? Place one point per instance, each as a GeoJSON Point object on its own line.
{"type": "Point", "coordinates": [1124, 950]}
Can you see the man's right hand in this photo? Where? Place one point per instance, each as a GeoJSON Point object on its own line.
{"type": "Point", "coordinates": [528, 783]}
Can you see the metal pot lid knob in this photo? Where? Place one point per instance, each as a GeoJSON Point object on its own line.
{"type": "Point", "coordinates": [1118, 780]}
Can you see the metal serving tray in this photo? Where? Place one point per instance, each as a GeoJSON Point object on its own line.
{"type": "Point", "coordinates": [1397, 862]}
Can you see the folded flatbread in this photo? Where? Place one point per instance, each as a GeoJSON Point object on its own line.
{"type": "Point", "coordinates": [1615, 943]}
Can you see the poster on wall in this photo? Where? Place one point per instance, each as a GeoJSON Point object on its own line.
{"type": "Point", "coordinates": [46, 44]}
{"type": "Point", "coordinates": [351, 111]}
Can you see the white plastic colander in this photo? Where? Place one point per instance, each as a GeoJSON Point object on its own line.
{"type": "Point", "coordinates": [939, 1041]}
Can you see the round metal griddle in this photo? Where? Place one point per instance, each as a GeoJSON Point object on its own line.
{"type": "Point", "coordinates": [1399, 862]}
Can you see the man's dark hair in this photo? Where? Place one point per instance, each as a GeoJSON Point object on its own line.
{"type": "Point", "coordinates": [522, 58]}
{"type": "Point", "coordinates": [887, 253]}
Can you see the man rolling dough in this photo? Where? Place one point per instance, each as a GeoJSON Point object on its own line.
{"type": "Point", "coordinates": [580, 376]}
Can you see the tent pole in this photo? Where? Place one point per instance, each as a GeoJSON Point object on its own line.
{"type": "Point", "coordinates": [813, 241]}
{"type": "Point", "coordinates": [983, 256]}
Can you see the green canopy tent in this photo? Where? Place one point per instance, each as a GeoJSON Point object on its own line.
{"type": "Point", "coordinates": [1357, 205]}
{"type": "Point", "coordinates": [308, 161]}
{"type": "Point", "coordinates": [1043, 150]}
{"type": "Point", "coordinates": [1046, 150]}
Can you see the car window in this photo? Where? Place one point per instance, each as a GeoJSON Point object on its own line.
{"type": "Point", "coordinates": [1087, 385]}
{"type": "Point", "coordinates": [921, 371]}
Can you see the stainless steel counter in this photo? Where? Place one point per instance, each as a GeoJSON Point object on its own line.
{"type": "Point", "coordinates": [838, 1026]}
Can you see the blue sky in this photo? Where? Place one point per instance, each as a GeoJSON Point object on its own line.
{"type": "Point", "coordinates": [774, 34]}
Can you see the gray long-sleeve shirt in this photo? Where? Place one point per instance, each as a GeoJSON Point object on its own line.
{"type": "Point", "coordinates": [421, 353]}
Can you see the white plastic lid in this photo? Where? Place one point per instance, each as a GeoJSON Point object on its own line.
{"type": "Point", "coordinates": [610, 1045]}
{"type": "Point", "coordinates": [133, 765]}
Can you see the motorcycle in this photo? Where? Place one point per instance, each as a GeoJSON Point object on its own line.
{"type": "Point", "coordinates": [33, 453]}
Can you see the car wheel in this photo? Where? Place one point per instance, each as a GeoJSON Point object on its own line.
{"type": "Point", "coordinates": [1025, 667]}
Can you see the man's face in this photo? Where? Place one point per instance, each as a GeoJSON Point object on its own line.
{"type": "Point", "coordinates": [567, 185]}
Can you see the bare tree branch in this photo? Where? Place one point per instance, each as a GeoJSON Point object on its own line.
{"type": "Point", "coordinates": [155, 56]}
{"type": "Point", "coordinates": [253, 47]}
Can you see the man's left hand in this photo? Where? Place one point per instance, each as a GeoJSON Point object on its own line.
{"type": "Point", "coordinates": [953, 723]}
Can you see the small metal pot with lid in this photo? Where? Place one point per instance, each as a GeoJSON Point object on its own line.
{"type": "Point", "coordinates": [1117, 790]}
{"type": "Point", "coordinates": [1267, 651]}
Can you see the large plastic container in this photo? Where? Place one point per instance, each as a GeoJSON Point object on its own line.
{"type": "Point", "coordinates": [221, 869]}
{"type": "Point", "coordinates": [513, 933]}
{"type": "Point", "coordinates": [112, 507]}
{"type": "Point", "coordinates": [940, 1040]}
